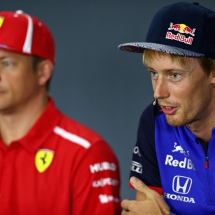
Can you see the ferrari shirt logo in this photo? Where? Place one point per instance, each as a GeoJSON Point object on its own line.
{"type": "Point", "coordinates": [1, 21]}
{"type": "Point", "coordinates": [43, 159]}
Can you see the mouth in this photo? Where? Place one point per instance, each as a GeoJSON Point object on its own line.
{"type": "Point", "coordinates": [169, 110]}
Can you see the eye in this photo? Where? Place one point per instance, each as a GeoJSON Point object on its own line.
{"type": "Point", "coordinates": [175, 76]}
{"type": "Point", "coordinates": [7, 63]}
{"type": "Point", "coordinates": [154, 75]}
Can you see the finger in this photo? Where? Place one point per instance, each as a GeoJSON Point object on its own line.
{"type": "Point", "coordinates": [125, 203]}
{"type": "Point", "coordinates": [128, 206]}
{"type": "Point", "coordinates": [151, 195]}
{"type": "Point", "coordinates": [125, 212]}
{"type": "Point", "coordinates": [139, 185]}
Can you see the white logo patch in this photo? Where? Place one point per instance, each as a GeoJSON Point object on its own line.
{"type": "Point", "coordinates": [136, 167]}
{"type": "Point", "coordinates": [181, 184]}
{"type": "Point", "coordinates": [99, 167]}
{"type": "Point", "coordinates": [186, 163]}
{"type": "Point", "coordinates": [179, 148]}
{"type": "Point", "coordinates": [105, 198]}
{"type": "Point", "coordinates": [137, 151]}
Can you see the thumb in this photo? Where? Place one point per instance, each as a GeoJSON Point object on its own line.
{"type": "Point", "coordinates": [151, 195]}
{"type": "Point", "coordinates": [139, 185]}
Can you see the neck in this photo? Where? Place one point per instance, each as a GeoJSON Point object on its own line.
{"type": "Point", "coordinates": [16, 123]}
{"type": "Point", "coordinates": [203, 128]}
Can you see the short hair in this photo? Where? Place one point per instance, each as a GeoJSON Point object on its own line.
{"type": "Point", "coordinates": [35, 61]}
{"type": "Point", "coordinates": [206, 63]}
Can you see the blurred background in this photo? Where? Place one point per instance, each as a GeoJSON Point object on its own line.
{"type": "Point", "coordinates": [94, 82]}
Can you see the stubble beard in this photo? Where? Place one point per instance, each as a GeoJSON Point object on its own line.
{"type": "Point", "coordinates": [179, 120]}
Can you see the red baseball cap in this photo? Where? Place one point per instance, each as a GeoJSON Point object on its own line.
{"type": "Point", "coordinates": [26, 34]}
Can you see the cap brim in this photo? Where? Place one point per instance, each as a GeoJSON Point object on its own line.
{"type": "Point", "coordinates": [140, 46]}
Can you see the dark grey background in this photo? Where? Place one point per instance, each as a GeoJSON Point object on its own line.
{"type": "Point", "coordinates": [95, 83]}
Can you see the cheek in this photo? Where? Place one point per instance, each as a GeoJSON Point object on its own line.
{"type": "Point", "coordinates": [180, 93]}
{"type": "Point", "coordinates": [195, 99]}
{"type": "Point", "coordinates": [21, 85]}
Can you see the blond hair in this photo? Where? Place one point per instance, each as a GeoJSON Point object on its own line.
{"type": "Point", "coordinates": [207, 64]}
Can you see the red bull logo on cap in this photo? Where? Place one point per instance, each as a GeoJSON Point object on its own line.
{"type": "Point", "coordinates": [182, 29]}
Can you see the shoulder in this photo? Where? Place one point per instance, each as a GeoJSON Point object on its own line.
{"type": "Point", "coordinates": [78, 134]}
{"type": "Point", "coordinates": [144, 162]}
{"type": "Point", "coordinates": [150, 112]}
{"type": "Point", "coordinates": [147, 119]}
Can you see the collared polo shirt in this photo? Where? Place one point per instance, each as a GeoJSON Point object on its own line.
{"type": "Point", "coordinates": [60, 167]}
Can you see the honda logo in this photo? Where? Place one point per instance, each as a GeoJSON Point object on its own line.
{"type": "Point", "coordinates": [181, 184]}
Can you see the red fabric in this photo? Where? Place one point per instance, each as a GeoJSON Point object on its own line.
{"type": "Point", "coordinates": [157, 189]}
{"type": "Point", "coordinates": [41, 42]}
{"type": "Point", "coordinates": [79, 180]}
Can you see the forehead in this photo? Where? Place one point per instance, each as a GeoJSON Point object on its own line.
{"type": "Point", "coordinates": [151, 57]}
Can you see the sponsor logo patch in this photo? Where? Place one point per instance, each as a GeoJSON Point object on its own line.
{"type": "Point", "coordinates": [136, 167]}
{"type": "Point", "coordinates": [1, 21]}
{"type": "Point", "coordinates": [181, 185]}
{"type": "Point", "coordinates": [179, 148]}
{"type": "Point", "coordinates": [105, 181]}
{"type": "Point", "coordinates": [106, 198]}
{"type": "Point", "coordinates": [43, 159]}
{"type": "Point", "coordinates": [184, 164]}
{"type": "Point", "coordinates": [99, 167]}
{"type": "Point", "coordinates": [182, 30]}
{"type": "Point", "coordinates": [137, 151]}
{"type": "Point", "coordinates": [179, 198]}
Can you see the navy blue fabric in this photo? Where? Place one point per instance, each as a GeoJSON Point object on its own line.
{"type": "Point", "coordinates": [173, 158]}
{"type": "Point", "coordinates": [180, 28]}
{"type": "Point", "coordinates": [146, 156]}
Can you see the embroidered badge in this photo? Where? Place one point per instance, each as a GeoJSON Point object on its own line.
{"type": "Point", "coordinates": [181, 29]}
{"type": "Point", "coordinates": [43, 159]}
{"type": "Point", "coordinates": [1, 21]}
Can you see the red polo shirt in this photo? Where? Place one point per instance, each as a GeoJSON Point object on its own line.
{"type": "Point", "coordinates": [59, 168]}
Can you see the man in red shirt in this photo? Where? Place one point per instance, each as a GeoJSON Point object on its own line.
{"type": "Point", "coordinates": [49, 164]}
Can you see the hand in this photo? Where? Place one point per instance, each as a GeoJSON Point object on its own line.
{"type": "Point", "coordinates": [148, 201]}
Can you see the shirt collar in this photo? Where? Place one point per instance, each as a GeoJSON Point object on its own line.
{"type": "Point", "coordinates": [43, 127]}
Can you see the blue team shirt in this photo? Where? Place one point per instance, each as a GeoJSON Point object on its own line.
{"type": "Point", "coordinates": [173, 159]}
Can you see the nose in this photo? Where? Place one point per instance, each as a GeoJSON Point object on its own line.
{"type": "Point", "coordinates": [160, 88]}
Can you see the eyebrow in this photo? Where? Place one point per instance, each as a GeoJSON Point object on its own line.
{"type": "Point", "coordinates": [4, 57]}
{"type": "Point", "coordinates": [174, 70]}
{"type": "Point", "coordinates": [166, 70]}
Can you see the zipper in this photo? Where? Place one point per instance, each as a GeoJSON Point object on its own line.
{"type": "Point", "coordinates": [206, 164]}
{"type": "Point", "coordinates": [208, 179]}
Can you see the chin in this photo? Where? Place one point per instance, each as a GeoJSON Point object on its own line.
{"type": "Point", "coordinates": [175, 121]}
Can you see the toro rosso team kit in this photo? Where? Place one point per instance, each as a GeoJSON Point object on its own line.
{"type": "Point", "coordinates": [171, 159]}
{"type": "Point", "coordinates": [175, 163]}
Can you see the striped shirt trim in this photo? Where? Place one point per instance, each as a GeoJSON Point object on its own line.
{"type": "Point", "coordinates": [72, 137]}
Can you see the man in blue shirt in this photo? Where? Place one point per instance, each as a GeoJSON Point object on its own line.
{"type": "Point", "coordinates": [174, 154]}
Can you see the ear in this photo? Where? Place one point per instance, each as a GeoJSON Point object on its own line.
{"type": "Point", "coordinates": [44, 72]}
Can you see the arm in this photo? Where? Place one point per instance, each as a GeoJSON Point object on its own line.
{"type": "Point", "coordinates": [145, 167]}
{"type": "Point", "coordinates": [96, 183]}
{"type": "Point", "coordinates": [147, 201]}
{"type": "Point", "coordinates": [144, 163]}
